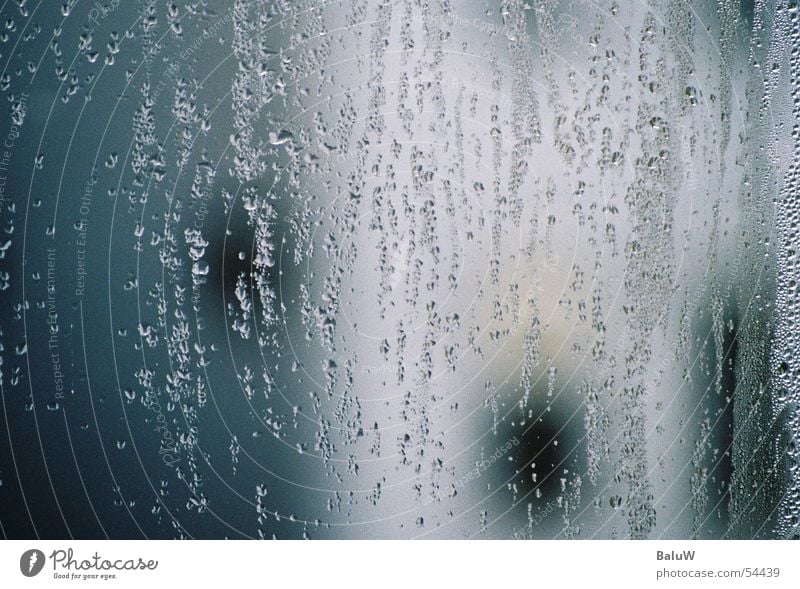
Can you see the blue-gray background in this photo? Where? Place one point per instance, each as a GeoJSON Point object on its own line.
{"type": "Point", "coordinates": [398, 269]}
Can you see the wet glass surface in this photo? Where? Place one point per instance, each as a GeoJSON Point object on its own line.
{"type": "Point", "coordinates": [399, 269]}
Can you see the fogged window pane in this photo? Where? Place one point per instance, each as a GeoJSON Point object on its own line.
{"type": "Point", "coordinates": [400, 269]}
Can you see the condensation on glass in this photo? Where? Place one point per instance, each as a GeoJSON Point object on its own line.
{"type": "Point", "coordinates": [400, 269]}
